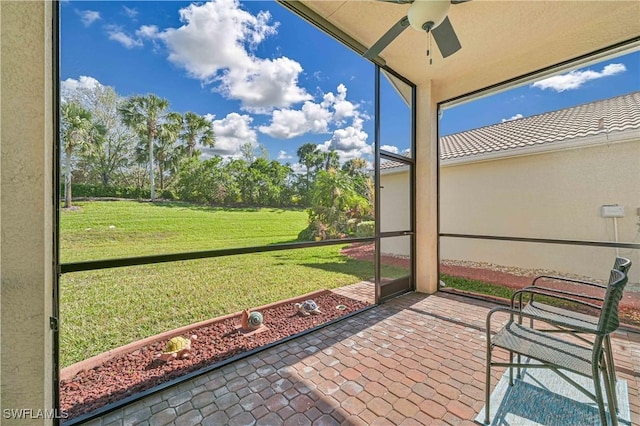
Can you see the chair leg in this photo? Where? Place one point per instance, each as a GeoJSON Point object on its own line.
{"type": "Point", "coordinates": [612, 370]}
{"type": "Point", "coordinates": [511, 368]}
{"type": "Point", "coordinates": [487, 393]}
{"type": "Point", "coordinates": [598, 394]}
{"type": "Point", "coordinates": [610, 389]}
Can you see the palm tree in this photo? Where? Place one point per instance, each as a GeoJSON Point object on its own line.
{"type": "Point", "coordinates": [331, 160]}
{"type": "Point", "coordinates": [309, 156]}
{"type": "Point", "coordinates": [355, 166]}
{"type": "Point", "coordinates": [145, 114]}
{"type": "Point", "coordinates": [168, 153]}
{"type": "Point", "coordinates": [196, 129]}
{"type": "Point", "coordinates": [76, 129]}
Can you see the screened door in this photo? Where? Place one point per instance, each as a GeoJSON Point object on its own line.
{"type": "Point", "coordinates": [395, 177]}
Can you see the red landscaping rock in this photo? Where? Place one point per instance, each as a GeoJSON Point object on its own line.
{"type": "Point", "coordinates": [107, 379]}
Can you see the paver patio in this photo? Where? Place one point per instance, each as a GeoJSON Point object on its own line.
{"type": "Point", "coordinates": [416, 359]}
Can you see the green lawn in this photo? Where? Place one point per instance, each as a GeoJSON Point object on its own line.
{"type": "Point", "coordinates": [496, 290]}
{"type": "Point", "coordinates": [101, 310]}
{"type": "Point", "coordinates": [111, 229]}
{"type": "Point", "coordinates": [477, 286]}
{"type": "Point", "coordinates": [627, 316]}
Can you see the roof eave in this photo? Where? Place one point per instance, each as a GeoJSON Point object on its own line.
{"type": "Point", "coordinates": [628, 135]}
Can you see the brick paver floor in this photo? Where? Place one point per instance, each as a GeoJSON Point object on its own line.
{"type": "Point", "coordinates": [414, 360]}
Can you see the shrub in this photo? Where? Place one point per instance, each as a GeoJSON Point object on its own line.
{"type": "Point", "coordinates": [91, 190]}
{"type": "Point", "coordinates": [366, 229]}
{"type": "Point", "coordinates": [306, 234]}
{"type": "Point", "coordinates": [315, 231]}
{"type": "Point", "coordinates": [168, 194]}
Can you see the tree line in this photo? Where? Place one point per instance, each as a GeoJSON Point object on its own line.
{"type": "Point", "coordinates": [137, 142]}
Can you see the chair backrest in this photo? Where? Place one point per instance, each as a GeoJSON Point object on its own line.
{"type": "Point", "coordinates": [623, 265]}
{"type": "Point", "coordinates": [609, 321]}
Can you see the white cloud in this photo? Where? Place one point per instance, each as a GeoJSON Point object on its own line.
{"type": "Point", "coordinates": [312, 117]}
{"type": "Point", "coordinates": [216, 44]}
{"type": "Point", "coordinates": [343, 108]}
{"type": "Point", "coordinates": [130, 12]}
{"type": "Point", "coordinates": [390, 148]}
{"type": "Point", "coordinates": [289, 123]}
{"type": "Point", "coordinates": [231, 133]}
{"type": "Point", "coordinates": [283, 155]}
{"type": "Point", "coordinates": [147, 31]}
{"type": "Point", "coordinates": [350, 142]}
{"type": "Point", "coordinates": [514, 117]}
{"type": "Point", "coordinates": [71, 88]}
{"type": "Point", "coordinates": [298, 168]}
{"type": "Point", "coordinates": [88, 17]}
{"type": "Point", "coordinates": [265, 84]}
{"type": "Point", "coordinates": [84, 82]}
{"type": "Point", "coordinates": [575, 79]}
{"type": "Point", "coordinates": [330, 115]}
{"type": "Point", "coordinates": [117, 34]}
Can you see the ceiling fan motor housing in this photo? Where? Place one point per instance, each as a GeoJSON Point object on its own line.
{"type": "Point", "coordinates": [425, 15]}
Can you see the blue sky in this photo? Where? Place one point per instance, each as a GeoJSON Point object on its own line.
{"type": "Point", "coordinates": [262, 76]}
{"type": "Point", "coordinates": [607, 79]}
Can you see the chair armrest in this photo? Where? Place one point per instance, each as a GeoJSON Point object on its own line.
{"type": "Point", "coordinates": [580, 296]}
{"type": "Point", "coordinates": [534, 317]}
{"type": "Point", "coordinates": [490, 314]}
{"type": "Point", "coordinates": [571, 280]}
{"type": "Point", "coordinates": [542, 291]}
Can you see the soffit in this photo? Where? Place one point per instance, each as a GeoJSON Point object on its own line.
{"type": "Point", "coordinates": [500, 40]}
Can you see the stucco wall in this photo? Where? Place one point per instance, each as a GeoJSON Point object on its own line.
{"type": "Point", "coordinates": [26, 263]}
{"type": "Point", "coordinates": [426, 189]}
{"type": "Point", "coordinates": [394, 210]}
{"type": "Point", "coordinates": [555, 195]}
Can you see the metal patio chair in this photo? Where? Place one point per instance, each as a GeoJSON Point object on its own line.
{"type": "Point", "coordinates": [557, 352]}
{"type": "Point", "coordinates": [562, 315]}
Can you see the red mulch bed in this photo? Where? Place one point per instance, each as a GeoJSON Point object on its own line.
{"type": "Point", "coordinates": [141, 370]}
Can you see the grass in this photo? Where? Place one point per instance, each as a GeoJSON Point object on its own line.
{"type": "Point", "coordinates": [627, 316]}
{"type": "Point", "coordinates": [111, 229]}
{"type": "Point", "coordinates": [104, 309]}
{"type": "Point", "coordinates": [495, 290]}
{"type": "Point", "coordinates": [477, 286]}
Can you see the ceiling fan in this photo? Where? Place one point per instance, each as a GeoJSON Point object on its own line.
{"type": "Point", "coordinates": [423, 15]}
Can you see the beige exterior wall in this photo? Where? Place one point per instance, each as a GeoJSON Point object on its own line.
{"type": "Point", "coordinates": [394, 210]}
{"type": "Point", "coordinates": [26, 263]}
{"type": "Point", "coordinates": [555, 195]}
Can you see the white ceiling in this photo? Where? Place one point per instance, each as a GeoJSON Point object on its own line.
{"type": "Point", "coordinates": [500, 39]}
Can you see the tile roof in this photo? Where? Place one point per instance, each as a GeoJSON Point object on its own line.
{"type": "Point", "coordinates": [604, 116]}
{"type": "Point", "coordinates": [389, 164]}
{"type": "Point", "coordinates": [600, 117]}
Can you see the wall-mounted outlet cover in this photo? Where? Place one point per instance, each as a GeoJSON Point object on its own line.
{"type": "Point", "coordinates": [612, 210]}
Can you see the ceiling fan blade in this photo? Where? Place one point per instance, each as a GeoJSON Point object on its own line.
{"type": "Point", "coordinates": [387, 38]}
{"type": "Point", "coordinates": [446, 38]}
{"type": "Point", "coordinates": [455, 1]}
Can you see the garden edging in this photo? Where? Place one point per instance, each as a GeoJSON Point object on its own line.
{"type": "Point", "coordinates": [69, 372]}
